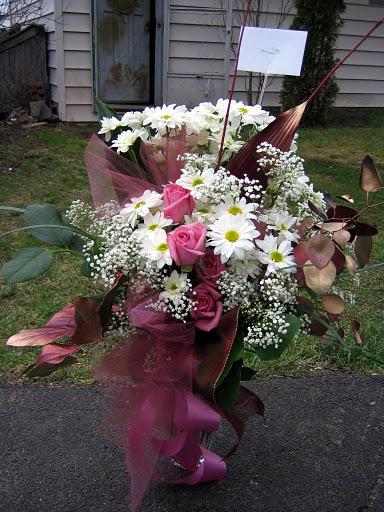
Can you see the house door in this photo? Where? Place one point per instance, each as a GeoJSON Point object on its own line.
{"type": "Point", "coordinates": [125, 44]}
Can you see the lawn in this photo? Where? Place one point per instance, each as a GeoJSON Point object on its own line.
{"type": "Point", "coordinates": [45, 165]}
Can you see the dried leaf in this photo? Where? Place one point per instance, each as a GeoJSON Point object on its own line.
{"type": "Point", "coordinates": [320, 280]}
{"type": "Point", "coordinates": [331, 227]}
{"type": "Point", "coordinates": [356, 328]}
{"type": "Point", "coordinates": [363, 249]}
{"type": "Point", "coordinates": [320, 250]}
{"type": "Point", "coordinates": [370, 180]}
{"type": "Point", "coordinates": [333, 304]}
{"type": "Point", "coordinates": [351, 264]}
{"type": "Point", "coordinates": [347, 198]}
{"type": "Point", "coordinates": [342, 237]}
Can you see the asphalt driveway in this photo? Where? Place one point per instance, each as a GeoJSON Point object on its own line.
{"type": "Point", "coordinates": [321, 450]}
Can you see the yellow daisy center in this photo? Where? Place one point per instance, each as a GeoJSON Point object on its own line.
{"type": "Point", "coordinates": [232, 236]}
{"type": "Point", "coordinates": [139, 204]}
{"type": "Point", "coordinates": [277, 257]}
{"type": "Point", "coordinates": [235, 210]}
{"type": "Point", "coordinates": [166, 116]}
{"type": "Point", "coordinates": [283, 227]}
{"type": "Point", "coordinates": [243, 110]}
{"type": "Point", "coordinates": [162, 247]}
{"type": "Point", "coordinates": [152, 227]}
{"type": "Point", "coordinates": [197, 181]}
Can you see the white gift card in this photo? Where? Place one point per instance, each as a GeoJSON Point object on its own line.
{"type": "Point", "coordinates": [272, 51]}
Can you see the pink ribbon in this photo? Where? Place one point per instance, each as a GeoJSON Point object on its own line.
{"type": "Point", "coordinates": [155, 412]}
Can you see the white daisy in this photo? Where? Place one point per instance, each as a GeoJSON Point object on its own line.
{"type": "Point", "coordinates": [232, 235]}
{"type": "Point", "coordinates": [275, 255]}
{"type": "Point", "coordinates": [151, 223]}
{"type": "Point", "coordinates": [167, 117]}
{"type": "Point", "coordinates": [108, 125]}
{"type": "Point", "coordinates": [127, 138]}
{"type": "Point", "coordinates": [155, 248]}
{"type": "Point", "coordinates": [140, 206]}
{"type": "Point", "coordinates": [175, 286]}
{"type": "Point", "coordinates": [202, 213]}
{"type": "Point", "coordinates": [283, 223]}
{"type": "Point", "coordinates": [195, 180]}
{"type": "Point", "coordinates": [238, 207]}
{"type": "Point", "coordinates": [133, 120]}
{"type": "Point", "coordinates": [248, 267]}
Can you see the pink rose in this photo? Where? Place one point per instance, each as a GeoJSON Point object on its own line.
{"type": "Point", "coordinates": [178, 202]}
{"type": "Point", "coordinates": [209, 268]}
{"type": "Point", "coordinates": [208, 308]}
{"type": "Point", "coordinates": [186, 243]}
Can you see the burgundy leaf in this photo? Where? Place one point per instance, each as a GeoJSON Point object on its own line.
{"type": "Point", "coordinates": [316, 327]}
{"type": "Point", "coordinates": [279, 134]}
{"type": "Point", "coordinates": [60, 325]}
{"type": "Point", "coordinates": [300, 253]}
{"type": "Point", "coordinates": [305, 305]}
{"type": "Point", "coordinates": [305, 226]}
{"type": "Point", "coordinates": [88, 324]}
{"type": "Point", "coordinates": [338, 260]}
{"type": "Point", "coordinates": [55, 353]}
{"type": "Point", "coordinates": [106, 304]}
{"type": "Point", "coordinates": [341, 213]}
{"type": "Point", "coordinates": [316, 210]}
{"type": "Point", "coordinates": [364, 229]}
{"type": "Point", "coordinates": [320, 250]}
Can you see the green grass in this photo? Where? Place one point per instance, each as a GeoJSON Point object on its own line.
{"type": "Point", "coordinates": [46, 166]}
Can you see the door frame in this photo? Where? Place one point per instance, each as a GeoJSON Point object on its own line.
{"type": "Point", "coordinates": [157, 55]}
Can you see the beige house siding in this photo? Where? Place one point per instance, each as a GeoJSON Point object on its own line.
{"type": "Point", "coordinates": [197, 54]}
{"type": "Point", "coordinates": [196, 70]}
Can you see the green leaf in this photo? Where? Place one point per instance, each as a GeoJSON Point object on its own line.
{"type": "Point", "coordinates": [29, 263]}
{"type": "Point", "coordinates": [235, 354]}
{"type": "Point", "coordinates": [76, 244]}
{"type": "Point", "coordinates": [52, 226]}
{"type": "Point", "coordinates": [226, 394]}
{"type": "Point", "coordinates": [12, 209]}
{"type": "Point", "coordinates": [103, 110]}
{"type": "Point", "coordinates": [47, 214]}
{"type": "Point", "coordinates": [269, 353]}
{"type": "Point", "coordinates": [85, 269]}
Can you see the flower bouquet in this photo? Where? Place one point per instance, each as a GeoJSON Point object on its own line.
{"type": "Point", "coordinates": [206, 240]}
